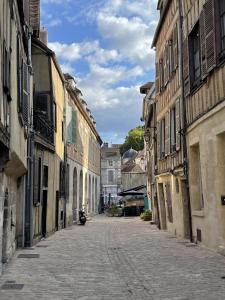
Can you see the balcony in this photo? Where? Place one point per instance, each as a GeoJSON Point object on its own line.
{"type": "Point", "coordinates": [44, 128]}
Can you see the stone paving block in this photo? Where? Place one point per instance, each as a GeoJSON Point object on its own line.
{"type": "Point", "coordinates": [115, 259]}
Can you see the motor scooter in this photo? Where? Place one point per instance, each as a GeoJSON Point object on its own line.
{"type": "Point", "coordinates": [82, 217]}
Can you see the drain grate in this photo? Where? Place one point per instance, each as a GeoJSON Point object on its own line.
{"type": "Point", "coordinates": [12, 286]}
{"type": "Point", "coordinates": [28, 255]}
{"type": "Point", "coordinates": [114, 248]}
{"type": "Point", "coordinates": [42, 246]}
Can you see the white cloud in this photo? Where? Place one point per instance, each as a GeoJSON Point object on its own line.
{"type": "Point", "coordinates": [111, 85]}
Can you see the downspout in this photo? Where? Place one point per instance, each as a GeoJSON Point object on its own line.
{"type": "Point", "coordinates": [155, 161]}
{"type": "Point", "coordinates": [184, 119]}
{"type": "Point", "coordinates": [66, 194]}
{"type": "Point", "coordinates": [28, 223]}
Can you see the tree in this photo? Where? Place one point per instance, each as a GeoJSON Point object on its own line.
{"type": "Point", "coordinates": [134, 140]}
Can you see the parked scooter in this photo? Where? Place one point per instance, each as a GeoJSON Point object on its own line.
{"type": "Point", "coordinates": [82, 217]}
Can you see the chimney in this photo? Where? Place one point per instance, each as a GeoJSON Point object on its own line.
{"type": "Point", "coordinates": [44, 36]}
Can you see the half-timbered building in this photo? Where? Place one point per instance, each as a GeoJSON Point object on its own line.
{"type": "Point", "coordinates": [204, 90]}
{"type": "Point", "coordinates": [170, 168]}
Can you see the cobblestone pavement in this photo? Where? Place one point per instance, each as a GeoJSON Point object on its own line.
{"type": "Point", "coordinates": [113, 258]}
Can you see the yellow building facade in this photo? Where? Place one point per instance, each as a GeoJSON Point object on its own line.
{"type": "Point", "coordinates": [83, 155]}
{"type": "Point", "coordinates": [49, 211]}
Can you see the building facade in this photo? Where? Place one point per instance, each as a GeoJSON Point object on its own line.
{"type": "Point", "coordinates": [16, 18]}
{"type": "Point", "coordinates": [170, 173]}
{"type": "Point", "coordinates": [49, 204]}
{"type": "Point", "coordinates": [203, 76]}
{"type": "Point", "coordinates": [83, 155]}
{"type": "Point", "coordinates": [149, 118]}
{"type": "Point", "coordinates": [110, 173]}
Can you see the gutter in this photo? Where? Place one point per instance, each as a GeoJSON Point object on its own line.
{"type": "Point", "coordinates": [184, 119]}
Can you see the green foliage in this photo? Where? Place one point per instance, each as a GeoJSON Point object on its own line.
{"type": "Point", "coordinates": [146, 215]}
{"type": "Point", "coordinates": [114, 211]}
{"type": "Point", "coordinates": [134, 140]}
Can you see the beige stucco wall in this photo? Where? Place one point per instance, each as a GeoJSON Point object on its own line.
{"type": "Point", "coordinates": [209, 134]}
{"type": "Point", "coordinates": [177, 227]}
{"type": "Point", "coordinates": [59, 94]}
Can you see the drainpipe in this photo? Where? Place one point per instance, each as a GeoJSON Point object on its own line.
{"type": "Point", "coordinates": [28, 240]}
{"type": "Point", "coordinates": [28, 224]}
{"type": "Point", "coordinates": [184, 118]}
{"type": "Point", "coordinates": [66, 194]}
{"type": "Point", "coordinates": [155, 162]}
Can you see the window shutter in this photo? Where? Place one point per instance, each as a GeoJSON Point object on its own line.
{"type": "Point", "coordinates": [175, 47]}
{"type": "Point", "coordinates": [158, 140]}
{"type": "Point", "coordinates": [203, 45]}
{"type": "Point", "coordinates": [157, 81]}
{"type": "Point", "coordinates": [186, 75]}
{"type": "Point", "coordinates": [161, 70]}
{"type": "Point", "coordinates": [19, 80]}
{"type": "Point", "coordinates": [165, 67]}
{"type": "Point", "coordinates": [167, 133]}
{"type": "Point", "coordinates": [178, 133]}
{"type": "Point", "coordinates": [25, 93]}
{"type": "Point", "coordinates": [210, 35]}
{"type": "Point", "coordinates": [74, 127]}
{"type": "Point", "coordinates": [171, 58]}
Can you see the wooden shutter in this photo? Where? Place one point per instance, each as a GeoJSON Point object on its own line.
{"type": "Point", "coordinates": [167, 133]}
{"type": "Point", "coordinates": [203, 45]}
{"type": "Point", "coordinates": [74, 127]}
{"type": "Point", "coordinates": [165, 67]}
{"type": "Point", "coordinates": [186, 74]}
{"type": "Point", "coordinates": [25, 100]}
{"type": "Point", "coordinates": [157, 81]}
{"type": "Point", "coordinates": [178, 123]}
{"type": "Point", "coordinates": [210, 35]}
{"type": "Point", "coordinates": [158, 138]}
{"type": "Point", "coordinates": [175, 47]}
{"type": "Point", "coordinates": [19, 77]}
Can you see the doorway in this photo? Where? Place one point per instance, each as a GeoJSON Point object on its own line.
{"type": "Point", "coordinates": [162, 207]}
{"type": "Point", "coordinates": [57, 211]}
{"type": "Point", "coordinates": [186, 217]}
{"type": "Point", "coordinates": [44, 213]}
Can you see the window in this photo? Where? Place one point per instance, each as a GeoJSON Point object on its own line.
{"type": "Point", "coordinates": [173, 129]}
{"type": "Point", "coordinates": [162, 138]}
{"type": "Point", "coordinates": [222, 24]}
{"type": "Point", "coordinates": [110, 163]}
{"type": "Point", "coordinates": [195, 55]}
{"type": "Point", "coordinates": [110, 176]}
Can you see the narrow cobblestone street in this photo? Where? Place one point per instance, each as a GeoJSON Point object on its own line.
{"type": "Point", "coordinates": [112, 258]}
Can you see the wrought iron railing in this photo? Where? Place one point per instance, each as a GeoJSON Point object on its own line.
{"type": "Point", "coordinates": [44, 128]}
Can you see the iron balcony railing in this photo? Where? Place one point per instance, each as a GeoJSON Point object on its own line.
{"type": "Point", "coordinates": [44, 128]}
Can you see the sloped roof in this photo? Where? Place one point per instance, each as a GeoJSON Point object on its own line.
{"type": "Point", "coordinates": [146, 87]}
{"type": "Point", "coordinates": [131, 168]}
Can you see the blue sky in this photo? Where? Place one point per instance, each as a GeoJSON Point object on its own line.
{"type": "Point", "coordinates": [106, 46]}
